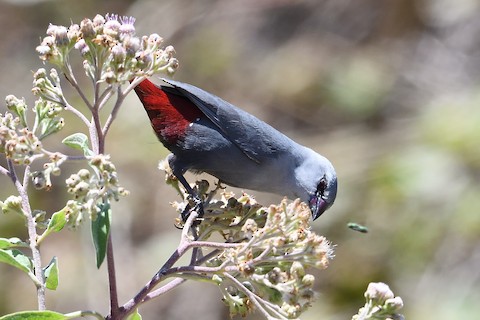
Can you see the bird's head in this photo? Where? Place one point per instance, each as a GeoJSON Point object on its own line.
{"type": "Point", "coordinates": [318, 179]}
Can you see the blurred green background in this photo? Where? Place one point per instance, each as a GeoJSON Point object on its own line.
{"type": "Point", "coordinates": [387, 90]}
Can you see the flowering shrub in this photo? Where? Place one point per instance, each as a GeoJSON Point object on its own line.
{"type": "Point", "coordinates": [264, 259]}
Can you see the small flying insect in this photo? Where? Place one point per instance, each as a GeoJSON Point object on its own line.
{"type": "Point", "coordinates": [357, 227]}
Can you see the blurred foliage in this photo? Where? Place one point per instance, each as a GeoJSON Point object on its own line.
{"type": "Point", "coordinates": [388, 91]}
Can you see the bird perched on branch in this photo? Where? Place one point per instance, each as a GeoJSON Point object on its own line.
{"type": "Point", "coordinates": [207, 134]}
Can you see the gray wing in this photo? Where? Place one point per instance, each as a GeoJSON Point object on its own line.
{"type": "Point", "coordinates": [255, 138]}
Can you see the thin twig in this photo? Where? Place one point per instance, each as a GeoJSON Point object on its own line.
{"type": "Point", "coordinates": [66, 157]}
{"type": "Point", "coordinates": [113, 114]}
{"type": "Point", "coordinates": [120, 98]}
{"type": "Point", "coordinates": [114, 309]}
{"type": "Point", "coordinates": [164, 289]}
{"type": "Point", "coordinates": [32, 234]}
{"type": "Point", "coordinates": [262, 255]}
{"type": "Point", "coordinates": [197, 251]}
{"type": "Point", "coordinates": [185, 239]}
{"type": "Point", "coordinates": [26, 178]}
{"type": "Point", "coordinates": [254, 298]}
{"type": "Point", "coordinates": [4, 171]}
{"type": "Point", "coordinates": [207, 257]}
{"type": "Point", "coordinates": [183, 247]}
{"type": "Point", "coordinates": [132, 304]}
{"type": "Point", "coordinates": [201, 269]}
{"type": "Point", "coordinates": [71, 79]}
{"type": "Point", "coordinates": [76, 112]}
{"type": "Point", "coordinates": [105, 96]}
{"type": "Point", "coordinates": [215, 245]}
{"type": "Point", "coordinates": [94, 138]}
{"type": "Point", "coordinates": [135, 82]}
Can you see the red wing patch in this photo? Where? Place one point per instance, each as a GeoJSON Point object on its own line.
{"type": "Point", "coordinates": [169, 114]}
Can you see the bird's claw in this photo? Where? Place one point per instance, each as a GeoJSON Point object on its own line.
{"type": "Point", "coordinates": [196, 206]}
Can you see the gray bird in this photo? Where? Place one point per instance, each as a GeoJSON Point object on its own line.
{"type": "Point", "coordinates": [207, 134]}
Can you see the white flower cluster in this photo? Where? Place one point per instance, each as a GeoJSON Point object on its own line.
{"type": "Point", "coordinates": [381, 304]}
{"type": "Point", "coordinates": [89, 190]}
{"type": "Point", "coordinates": [268, 251]}
{"type": "Point", "coordinates": [111, 51]}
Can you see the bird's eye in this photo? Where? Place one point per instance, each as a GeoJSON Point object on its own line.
{"type": "Point", "coordinates": [322, 185]}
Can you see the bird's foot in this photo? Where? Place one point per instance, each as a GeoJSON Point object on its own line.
{"type": "Point", "coordinates": [195, 204]}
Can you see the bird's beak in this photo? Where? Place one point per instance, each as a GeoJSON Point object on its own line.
{"type": "Point", "coordinates": [318, 205]}
{"type": "Point", "coordinates": [321, 201]}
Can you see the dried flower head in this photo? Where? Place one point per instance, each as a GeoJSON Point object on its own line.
{"type": "Point", "coordinates": [273, 258]}
{"type": "Point", "coordinates": [112, 51]}
{"type": "Point", "coordinates": [267, 267]}
{"type": "Point", "coordinates": [21, 147]}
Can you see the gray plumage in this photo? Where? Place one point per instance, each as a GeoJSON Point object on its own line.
{"type": "Point", "coordinates": [245, 152]}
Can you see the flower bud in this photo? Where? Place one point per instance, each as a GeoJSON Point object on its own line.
{"type": "Point", "coordinates": [84, 174]}
{"type": "Point", "coordinates": [123, 192]}
{"type": "Point", "coordinates": [98, 21]}
{"type": "Point", "coordinates": [145, 58]}
{"type": "Point", "coordinates": [170, 51]}
{"type": "Point", "coordinates": [73, 180]}
{"type": "Point", "coordinates": [96, 160]}
{"type": "Point", "coordinates": [51, 29]}
{"type": "Point", "coordinates": [274, 275]}
{"type": "Point", "coordinates": [297, 269]}
{"type": "Point", "coordinates": [154, 40]}
{"type": "Point", "coordinates": [118, 53]}
{"type": "Point", "coordinates": [48, 41]}
{"type": "Point", "coordinates": [217, 279]}
{"type": "Point", "coordinates": [394, 303]}
{"type": "Point", "coordinates": [43, 50]}
{"type": "Point", "coordinates": [56, 171]}
{"type": "Point", "coordinates": [249, 227]}
{"type": "Point", "coordinates": [247, 269]}
{"type": "Point", "coordinates": [291, 310]}
{"type": "Point", "coordinates": [82, 46]}
{"type": "Point", "coordinates": [18, 106]}
{"type": "Point", "coordinates": [73, 32]}
{"type": "Point", "coordinates": [87, 28]}
{"type": "Point", "coordinates": [308, 280]}
{"type": "Point", "coordinates": [132, 45]}
{"type": "Point", "coordinates": [109, 77]}
{"type": "Point", "coordinates": [61, 37]}
{"type": "Point", "coordinates": [12, 204]}
{"type": "Point", "coordinates": [81, 188]}
{"type": "Point", "coordinates": [54, 76]}
{"type": "Point", "coordinates": [378, 291]}
{"type": "Point", "coordinates": [40, 73]}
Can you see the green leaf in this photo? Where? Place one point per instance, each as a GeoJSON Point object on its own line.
{"type": "Point", "coordinates": [11, 243]}
{"type": "Point", "coordinates": [78, 141]}
{"type": "Point", "coordinates": [57, 221]}
{"type": "Point", "coordinates": [34, 315]}
{"type": "Point", "coordinates": [16, 258]}
{"type": "Point", "coordinates": [100, 230]}
{"type": "Point", "coordinates": [55, 224]}
{"type": "Point", "coordinates": [51, 274]}
{"type": "Point", "coordinates": [134, 316]}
